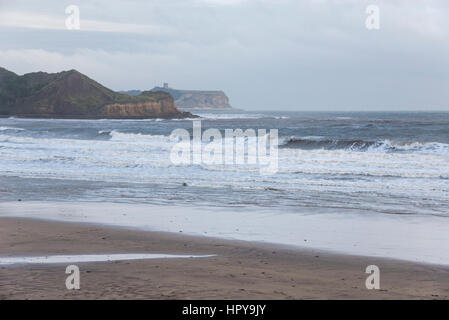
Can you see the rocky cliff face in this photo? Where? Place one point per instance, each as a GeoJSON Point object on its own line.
{"type": "Point", "coordinates": [202, 100]}
{"type": "Point", "coordinates": [70, 94]}
{"type": "Point", "coordinates": [193, 99]}
{"type": "Point", "coordinates": [141, 110]}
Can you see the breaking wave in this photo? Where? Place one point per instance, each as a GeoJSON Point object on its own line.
{"type": "Point", "coordinates": [11, 129]}
{"type": "Point", "coordinates": [312, 143]}
{"type": "Point", "coordinates": [134, 137]}
{"type": "Point", "coordinates": [230, 116]}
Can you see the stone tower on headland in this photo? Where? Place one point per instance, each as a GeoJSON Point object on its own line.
{"type": "Point", "coordinates": [196, 99]}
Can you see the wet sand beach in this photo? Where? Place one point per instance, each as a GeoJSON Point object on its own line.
{"type": "Point", "coordinates": [240, 270]}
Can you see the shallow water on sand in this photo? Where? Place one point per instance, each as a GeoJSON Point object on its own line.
{"type": "Point", "coordinates": [83, 258]}
{"type": "Point", "coordinates": [414, 238]}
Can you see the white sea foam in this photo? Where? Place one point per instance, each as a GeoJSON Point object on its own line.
{"type": "Point", "coordinates": [11, 129]}
{"type": "Point", "coordinates": [138, 137]}
{"type": "Point", "coordinates": [343, 118]}
{"type": "Point", "coordinates": [415, 173]}
{"type": "Point", "coordinates": [136, 155]}
{"type": "Point", "coordinates": [383, 146]}
{"type": "Point", "coordinates": [184, 119]}
{"type": "Point", "coordinates": [229, 116]}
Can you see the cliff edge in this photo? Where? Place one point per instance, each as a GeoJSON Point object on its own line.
{"type": "Point", "coordinates": [71, 94]}
{"type": "Point", "coordinates": [193, 99]}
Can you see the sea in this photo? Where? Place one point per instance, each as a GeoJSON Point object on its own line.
{"type": "Point", "coordinates": [392, 167]}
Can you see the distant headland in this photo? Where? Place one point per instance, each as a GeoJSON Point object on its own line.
{"type": "Point", "coordinates": [71, 94]}
{"type": "Point", "coordinates": [189, 100]}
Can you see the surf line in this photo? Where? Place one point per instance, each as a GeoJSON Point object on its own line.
{"type": "Point", "coordinates": [237, 147]}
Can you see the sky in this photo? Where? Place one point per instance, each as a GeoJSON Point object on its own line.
{"type": "Point", "coordinates": [265, 54]}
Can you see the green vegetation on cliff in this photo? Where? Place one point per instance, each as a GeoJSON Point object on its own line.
{"type": "Point", "coordinates": [71, 94]}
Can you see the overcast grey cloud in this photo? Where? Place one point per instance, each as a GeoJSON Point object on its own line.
{"type": "Point", "coordinates": [283, 54]}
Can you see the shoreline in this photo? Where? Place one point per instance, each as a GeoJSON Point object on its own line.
{"type": "Point", "coordinates": [240, 269]}
{"type": "Point", "coordinates": [205, 238]}
{"type": "Point", "coordinates": [370, 235]}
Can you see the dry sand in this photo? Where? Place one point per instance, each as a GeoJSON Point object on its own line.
{"type": "Point", "coordinates": [241, 270]}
